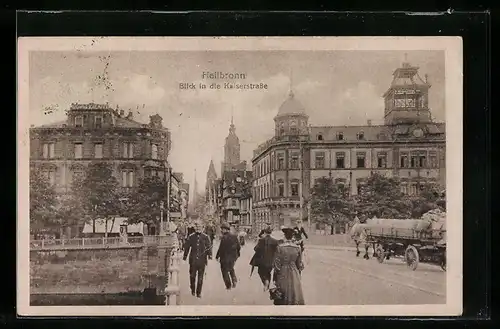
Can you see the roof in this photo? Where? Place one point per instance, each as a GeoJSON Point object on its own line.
{"type": "Point", "coordinates": [100, 226]}
{"type": "Point", "coordinates": [291, 106]}
{"type": "Point", "coordinates": [370, 133]}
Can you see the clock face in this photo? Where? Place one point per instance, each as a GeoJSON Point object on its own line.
{"type": "Point", "coordinates": [418, 132]}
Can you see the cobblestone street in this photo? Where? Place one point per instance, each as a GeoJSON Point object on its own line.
{"type": "Point", "coordinates": [331, 277]}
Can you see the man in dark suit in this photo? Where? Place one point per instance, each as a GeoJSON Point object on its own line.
{"type": "Point", "coordinates": [265, 251]}
{"type": "Point", "coordinates": [262, 232]}
{"type": "Point", "coordinates": [298, 232]}
{"type": "Point", "coordinates": [199, 249]}
{"type": "Point", "coordinates": [228, 253]}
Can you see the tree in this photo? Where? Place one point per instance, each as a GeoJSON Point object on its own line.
{"type": "Point", "coordinates": [145, 202]}
{"type": "Point", "coordinates": [428, 199]}
{"type": "Point", "coordinates": [382, 197]}
{"type": "Point", "coordinates": [42, 201]}
{"type": "Point", "coordinates": [330, 203]}
{"type": "Point", "coordinates": [98, 193]}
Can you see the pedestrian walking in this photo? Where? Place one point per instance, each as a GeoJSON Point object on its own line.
{"type": "Point", "coordinates": [241, 237]}
{"type": "Point", "coordinates": [287, 272]}
{"type": "Point", "coordinates": [199, 249]}
{"type": "Point", "coordinates": [262, 232]}
{"type": "Point", "coordinates": [227, 254]}
{"type": "Point", "coordinates": [265, 251]}
{"type": "Point", "coordinates": [210, 231]}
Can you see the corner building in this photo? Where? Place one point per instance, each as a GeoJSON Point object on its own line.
{"type": "Point", "coordinates": [410, 146]}
{"type": "Point", "coordinates": [97, 133]}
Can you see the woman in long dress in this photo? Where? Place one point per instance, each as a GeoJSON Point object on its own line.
{"type": "Point", "coordinates": [287, 271]}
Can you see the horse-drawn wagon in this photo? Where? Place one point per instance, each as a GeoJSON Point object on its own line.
{"type": "Point", "coordinates": [417, 240]}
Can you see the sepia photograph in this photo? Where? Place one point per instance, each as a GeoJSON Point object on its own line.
{"type": "Point", "coordinates": [240, 176]}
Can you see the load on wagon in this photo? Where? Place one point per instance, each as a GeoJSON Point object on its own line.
{"type": "Point", "coordinates": [417, 240]}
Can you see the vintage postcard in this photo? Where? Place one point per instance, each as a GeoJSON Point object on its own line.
{"type": "Point", "coordinates": [241, 176]}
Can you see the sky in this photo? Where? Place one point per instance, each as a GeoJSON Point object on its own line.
{"type": "Point", "coordinates": [335, 87]}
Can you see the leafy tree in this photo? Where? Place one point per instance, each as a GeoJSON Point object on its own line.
{"type": "Point", "coordinates": [428, 199]}
{"type": "Point", "coordinates": [330, 203]}
{"type": "Point", "coordinates": [98, 193]}
{"type": "Point", "coordinates": [144, 203]}
{"type": "Point", "coordinates": [42, 201]}
{"type": "Point", "coordinates": [382, 197]}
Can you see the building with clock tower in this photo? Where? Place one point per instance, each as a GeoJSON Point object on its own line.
{"type": "Point", "coordinates": [409, 145]}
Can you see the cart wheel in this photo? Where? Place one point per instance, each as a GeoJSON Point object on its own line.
{"type": "Point", "coordinates": [380, 254]}
{"type": "Point", "coordinates": [411, 257]}
{"type": "Point", "coordinates": [443, 263]}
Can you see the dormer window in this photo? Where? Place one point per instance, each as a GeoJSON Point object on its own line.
{"type": "Point", "coordinates": [340, 136]}
{"type": "Point", "coordinates": [361, 135]}
{"type": "Point", "coordinates": [320, 137]}
{"type": "Point", "coordinates": [79, 121]}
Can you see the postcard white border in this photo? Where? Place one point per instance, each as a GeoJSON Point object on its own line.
{"type": "Point", "coordinates": [454, 111]}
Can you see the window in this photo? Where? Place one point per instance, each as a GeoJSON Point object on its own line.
{"type": "Point", "coordinates": [128, 150]}
{"type": "Point", "coordinates": [433, 159]}
{"type": "Point", "coordinates": [281, 188]}
{"type": "Point", "coordinates": [295, 188]}
{"type": "Point", "coordinates": [422, 161]}
{"type": "Point", "coordinates": [340, 136]}
{"type": "Point", "coordinates": [361, 159]}
{"type": "Point", "coordinates": [234, 204]}
{"type": "Point", "coordinates": [154, 151]}
{"type": "Point", "coordinates": [413, 189]}
{"type": "Point", "coordinates": [79, 121]}
{"type": "Point", "coordinates": [127, 178]}
{"type": "Point", "coordinates": [98, 122]}
{"type": "Point", "coordinates": [400, 102]}
{"type": "Point", "coordinates": [294, 161]}
{"type": "Point", "coordinates": [382, 160]}
{"type": "Point", "coordinates": [98, 150]}
{"type": "Point", "coordinates": [340, 159]}
{"type": "Point", "coordinates": [294, 131]}
{"type": "Point", "coordinates": [414, 160]}
{"type": "Point", "coordinates": [78, 150]}
{"type": "Point", "coordinates": [320, 137]}
{"type": "Point", "coordinates": [360, 135]}
{"type": "Point", "coordinates": [48, 150]}
{"type": "Point", "coordinates": [320, 160]}
{"type": "Point", "coordinates": [50, 176]}
{"type": "Point", "coordinates": [282, 131]}
{"type": "Point", "coordinates": [360, 186]}
{"type": "Point", "coordinates": [404, 188]}
{"type": "Point", "coordinates": [403, 160]}
{"type": "Point", "coordinates": [410, 102]}
{"type": "Point", "coordinates": [281, 161]}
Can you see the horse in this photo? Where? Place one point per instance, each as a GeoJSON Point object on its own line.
{"type": "Point", "coordinates": [359, 235]}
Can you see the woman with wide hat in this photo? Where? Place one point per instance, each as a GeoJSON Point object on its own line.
{"type": "Point", "coordinates": [288, 266]}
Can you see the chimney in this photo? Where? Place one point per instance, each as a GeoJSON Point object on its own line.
{"type": "Point", "coordinates": [130, 115]}
{"type": "Point", "coordinates": [369, 122]}
{"type": "Point", "coordinates": [122, 113]}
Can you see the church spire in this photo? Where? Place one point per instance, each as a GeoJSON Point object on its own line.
{"type": "Point", "coordinates": [232, 128]}
{"type": "Point", "coordinates": [290, 93]}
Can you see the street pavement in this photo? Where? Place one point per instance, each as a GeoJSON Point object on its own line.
{"type": "Point", "coordinates": [331, 277]}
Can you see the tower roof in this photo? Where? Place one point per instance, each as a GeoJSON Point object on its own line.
{"type": "Point", "coordinates": [291, 106]}
{"type": "Point", "coordinates": [211, 170]}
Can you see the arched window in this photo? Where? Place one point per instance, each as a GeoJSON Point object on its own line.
{"type": "Point", "coordinates": [320, 137]}
{"type": "Point", "coordinates": [154, 151]}
{"type": "Point", "coordinates": [361, 135]}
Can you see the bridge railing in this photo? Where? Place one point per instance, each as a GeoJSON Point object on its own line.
{"type": "Point", "coordinates": [101, 241]}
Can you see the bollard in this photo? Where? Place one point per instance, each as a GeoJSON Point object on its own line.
{"type": "Point", "coordinates": [172, 290]}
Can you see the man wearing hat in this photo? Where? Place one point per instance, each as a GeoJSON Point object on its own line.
{"type": "Point", "coordinates": [265, 251]}
{"type": "Point", "coordinates": [199, 249]}
{"type": "Point", "coordinates": [228, 253]}
{"type": "Point", "coordinates": [262, 232]}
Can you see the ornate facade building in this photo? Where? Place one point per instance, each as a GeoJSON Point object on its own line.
{"type": "Point", "coordinates": [409, 145]}
{"type": "Point", "coordinates": [98, 133]}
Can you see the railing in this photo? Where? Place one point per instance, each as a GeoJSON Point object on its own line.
{"type": "Point", "coordinates": [81, 243]}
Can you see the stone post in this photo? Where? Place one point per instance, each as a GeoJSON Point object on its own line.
{"type": "Point", "coordinates": [172, 290]}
